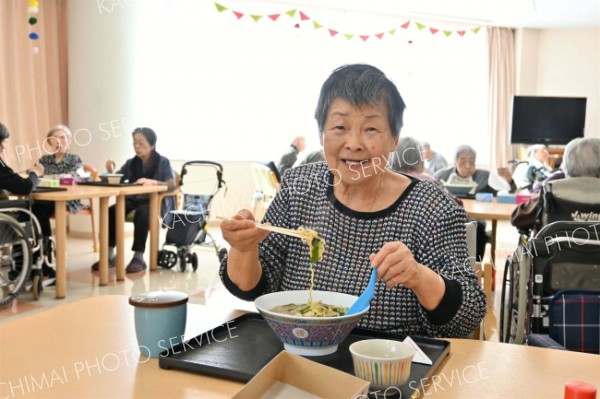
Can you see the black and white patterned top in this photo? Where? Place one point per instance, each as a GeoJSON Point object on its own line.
{"type": "Point", "coordinates": [66, 166]}
{"type": "Point", "coordinates": [425, 219]}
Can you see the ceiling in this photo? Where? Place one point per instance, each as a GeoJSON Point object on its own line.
{"type": "Point", "coordinates": [536, 14]}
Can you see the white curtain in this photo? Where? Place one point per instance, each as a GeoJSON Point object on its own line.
{"type": "Point", "coordinates": [501, 43]}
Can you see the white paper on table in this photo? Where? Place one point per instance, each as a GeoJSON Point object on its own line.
{"type": "Point", "coordinates": [286, 391]}
{"type": "Point", "coordinates": [420, 356]}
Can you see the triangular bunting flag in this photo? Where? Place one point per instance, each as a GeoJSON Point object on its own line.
{"type": "Point", "coordinates": [420, 26]}
{"type": "Point", "coordinates": [239, 15]}
{"type": "Point", "coordinates": [317, 25]}
{"type": "Point", "coordinates": [333, 32]}
{"type": "Point", "coordinates": [274, 16]}
{"type": "Point", "coordinates": [256, 18]}
{"type": "Point", "coordinates": [392, 31]}
{"type": "Point", "coordinates": [364, 37]}
{"type": "Point", "coordinates": [447, 33]}
{"type": "Point", "coordinates": [475, 30]}
{"type": "Point", "coordinates": [220, 8]}
{"type": "Point", "coordinates": [433, 31]}
{"type": "Point", "coordinates": [405, 25]}
{"type": "Point", "coordinates": [348, 36]}
{"type": "Point", "coordinates": [303, 16]}
{"type": "Point", "coordinates": [379, 35]}
{"type": "Point", "coordinates": [460, 32]}
{"type": "Point", "coordinates": [291, 13]}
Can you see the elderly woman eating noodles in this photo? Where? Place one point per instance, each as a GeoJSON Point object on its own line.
{"type": "Point", "coordinates": [370, 217]}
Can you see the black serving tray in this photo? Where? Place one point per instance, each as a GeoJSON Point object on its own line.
{"type": "Point", "coordinates": [240, 348]}
{"type": "Point", "coordinates": [106, 184]}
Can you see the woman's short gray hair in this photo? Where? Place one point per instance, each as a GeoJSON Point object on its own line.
{"type": "Point", "coordinates": [582, 158]}
{"type": "Point", "coordinates": [361, 84]}
{"type": "Point", "coordinates": [407, 155]}
{"type": "Point", "coordinates": [533, 149]}
{"type": "Point", "coordinates": [464, 149]}
{"type": "Point", "coordinates": [58, 128]}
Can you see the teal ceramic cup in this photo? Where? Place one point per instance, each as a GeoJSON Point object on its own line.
{"type": "Point", "coordinates": [160, 318]}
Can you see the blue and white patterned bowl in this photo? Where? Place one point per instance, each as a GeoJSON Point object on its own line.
{"type": "Point", "coordinates": [309, 336]}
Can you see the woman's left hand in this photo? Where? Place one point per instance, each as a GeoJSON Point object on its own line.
{"type": "Point", "coordinates": [396, 265]}
{"type": "Point", "coordinates": [146, 182]}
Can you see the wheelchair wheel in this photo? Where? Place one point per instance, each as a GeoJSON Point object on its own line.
{"type": "Point", "coordinates": [182, 261]}
{"type": "Point", "coordinates": [194, 261]}
{"type": "Point", "coordinates": [37, 286]}
{"type": "Point", "coordinates": [506, 303]}
{"type": "Point", "coordinates": [167, 259]}
{"type": "Point", "coordinates": [13, 276]}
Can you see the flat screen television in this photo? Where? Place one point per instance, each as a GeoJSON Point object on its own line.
{"type": "Point", "coordinates": [547, 120]}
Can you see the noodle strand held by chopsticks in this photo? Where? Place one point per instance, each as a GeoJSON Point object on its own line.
{"type": "Point", "coordinates": [316, 246]}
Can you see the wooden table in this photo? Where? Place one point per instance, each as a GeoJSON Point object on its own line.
{"type": "Point", "coordinates": [493, 211]}
{"type": "Point", "coordinates": [88, 349]}
{"type": "Point", "coordinates": [60, 198]}
{"type": "Point", "coordinates": [154, 223]}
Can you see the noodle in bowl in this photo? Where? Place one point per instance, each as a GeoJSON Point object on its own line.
{"type": "Point", "coordinates": [309, 336]}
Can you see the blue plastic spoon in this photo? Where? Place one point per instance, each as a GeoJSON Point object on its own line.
{"type": "Point", "coordinates": [365, 298]}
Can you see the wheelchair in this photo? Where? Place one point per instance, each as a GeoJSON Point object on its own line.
{"type": "Point", "coordinates": [23, 251]}
{"type": "Point", "coordinates": [563, 254]}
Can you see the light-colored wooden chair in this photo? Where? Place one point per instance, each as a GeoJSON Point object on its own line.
{"type": "Point", "coordinates": [489, 325]}
{"type": "Point", "coordinates": [488, 329]}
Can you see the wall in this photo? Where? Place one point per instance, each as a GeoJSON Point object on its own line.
{"type": "Point", "coordinates": [562, 62]}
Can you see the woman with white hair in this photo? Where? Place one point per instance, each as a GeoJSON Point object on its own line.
{"type": "Point", "coordinates": [535, 169]}
{"type": "Point", "coordinates": [581, 159]}
{"type": "Point", "coordinates": [57, 161]}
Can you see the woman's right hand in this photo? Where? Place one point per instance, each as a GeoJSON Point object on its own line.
{"type": "Point", "coordinates": [110, 166]}
{"type": "Point", "coordinates": [241, 233]}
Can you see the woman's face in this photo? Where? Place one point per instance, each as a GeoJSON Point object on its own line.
{"type": "Point", "coordinates": [59, 142]}
{"type": "Point", "coordinates": [357, 141]}
{"type": "Point", "coordinates": [541, 155]}
{"type": "Point", "coordinates": [465, 165]}
{"type": "Point", "coordinates": [142, 148]}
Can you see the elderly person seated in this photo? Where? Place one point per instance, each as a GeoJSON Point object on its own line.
{"type": "Point", "coordinates": [434, 161]}
{"type": "Point", "coordinates": [464, 172]}
{"type": "Point", "coordinates": [369, 216]}
{"type": "Point", "coordinates": [408, 159]}
{"type": "Point", "coordinates": [148, 168]}
{"type": "Point", "coordinates": [59, 162]}
{"type": "Point", "coordinates": [288, 159]}
{"type": "Point", "coordinates": [535, 169]}
{"type": "Point", "coordinates": [581, 159]}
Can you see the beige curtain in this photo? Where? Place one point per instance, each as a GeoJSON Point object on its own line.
{"type": "Point", "coordinates": [501, 44]}
{"type": "Point", "coordinates": [33, 86]}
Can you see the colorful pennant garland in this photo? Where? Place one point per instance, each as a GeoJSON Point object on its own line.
{"type": "Point", "coordinates": [349, 36]}
{"type": "Point", "coordinates": [33, 8]}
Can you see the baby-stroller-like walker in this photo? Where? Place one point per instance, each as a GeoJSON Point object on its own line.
{"type": "Point", "coordinates": [189, 225]}
{"type": "Point", "coordinates": [23, 251]}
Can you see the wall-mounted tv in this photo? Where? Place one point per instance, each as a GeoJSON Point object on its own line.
{"type": "Point", "coordinates": [547, 120]}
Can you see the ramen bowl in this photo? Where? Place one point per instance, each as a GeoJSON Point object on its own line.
{"type": "Point", "coordinates": [111, 178]}
{"type": "Point", "coordinates": [309, 336]}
